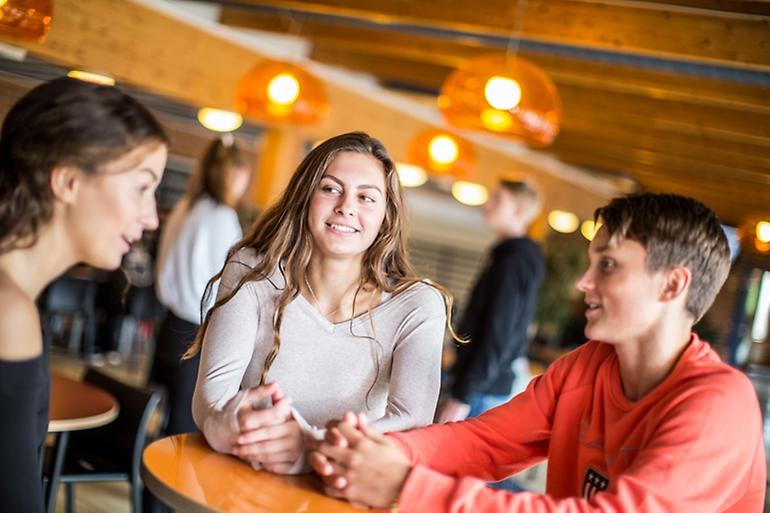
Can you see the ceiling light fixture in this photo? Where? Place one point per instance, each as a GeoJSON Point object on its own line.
{"type": "Point", "coordinates": [219, 120]}
{"type": "Point", "coordinates": [505, 94]}
{"type": "Point", "coordinates": [281, 91]}
{"type": "Point", "coordinates": [469, 193]}
{"type": "Point", "coordinates": [25, 19]}
{"type": "Point", "coordinates": [441, 152]}
{"type": "Point", "coordinates": [87, 76]}
{"type": "Point", "coordinates": [410, 175]}
{"type": "Point", "coordinates": [563, 221]}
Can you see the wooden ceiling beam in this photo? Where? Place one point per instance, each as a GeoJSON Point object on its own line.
{"type": "Point", "coordinates": [588, 103]}
{"type": "Point", "coordinates": [362, 45]}
{"type": "Point", "coordinates": [601, 153]}
{"type": "Point", "coordinates": [629, 160]}
{"type": "Point", "coordinates": [658, 174]}
{"type": "Point", "coordinates": [654, 138]}
{"type": "Point", "coordinates": [731, 210]}
{"type": "Point", "coordinates": [389, 70]}
{"type": "Point", "coordinates": [596, 104]}
{"type": "Point", "coordinates": [663, 30]}
{"type": "Point", "coordinates": [733, 155]}
{"type": "Point", "coordinates": [445, 57]}
{"type": "Point", "coordinates": [151, 47]}
{"type": "Point", "coordinates": [740, 6]}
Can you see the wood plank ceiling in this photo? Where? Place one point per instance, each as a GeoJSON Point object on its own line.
{"type": "Point", "coordinates": [673, 94]}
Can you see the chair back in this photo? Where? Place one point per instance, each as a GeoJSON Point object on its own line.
{"type": "Point", "coordinates": [118, 445]}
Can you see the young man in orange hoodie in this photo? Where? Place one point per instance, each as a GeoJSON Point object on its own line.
{"type": "Point", "coordinates": [644, 417]}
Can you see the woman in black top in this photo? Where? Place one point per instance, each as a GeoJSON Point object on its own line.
{"type": "Point", "coordinates": [79, 164]}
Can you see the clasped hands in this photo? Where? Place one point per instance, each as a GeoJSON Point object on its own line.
{"type": "Point", "coordinates": [354, 460]}
{"type": "Point", "coordinates": [268, 435]}
{"type": "Point", "coordinates": [358, 463]}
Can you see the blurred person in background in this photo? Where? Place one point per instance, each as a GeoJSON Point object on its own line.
{"type": "Point", "coordinates": [79, 165]}
{"type": "Point", "coordinates": [193, 247]}
{"type": "Point", "coordinates": [494, 366]}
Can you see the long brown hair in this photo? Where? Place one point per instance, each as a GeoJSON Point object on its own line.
{"type": "Point", "coordinates": [281, 236]}
{"type": "Point", "coordinates": [212, 177]}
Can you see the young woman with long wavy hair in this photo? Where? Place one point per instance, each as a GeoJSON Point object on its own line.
{"type": "Point", "coordinates": [318, 312]}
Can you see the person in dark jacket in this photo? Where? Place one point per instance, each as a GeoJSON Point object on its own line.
{"type": "Point", "coordinates": [493, 367]}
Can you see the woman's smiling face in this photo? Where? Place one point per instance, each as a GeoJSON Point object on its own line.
{"type": "Point", "coordinates": [348, 206]}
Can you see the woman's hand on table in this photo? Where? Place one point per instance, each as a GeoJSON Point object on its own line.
{"type": "Point", "coordinates": [268, 434]}
{"type": "Point", "coordinates": [359, 464]}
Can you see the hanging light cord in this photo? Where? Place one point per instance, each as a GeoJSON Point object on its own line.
{"type": "Point", "coordinates": [512, 49]}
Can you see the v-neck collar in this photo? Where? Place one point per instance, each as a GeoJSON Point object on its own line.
{"type": "Point", "coordinates": [331, 327]}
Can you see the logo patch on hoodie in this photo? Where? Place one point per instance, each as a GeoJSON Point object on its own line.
{"type": "Point", "coordinates": [594, 482]}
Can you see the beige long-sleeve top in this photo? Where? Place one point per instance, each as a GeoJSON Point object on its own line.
{"type": "Point", "coordinates": [325, 368]}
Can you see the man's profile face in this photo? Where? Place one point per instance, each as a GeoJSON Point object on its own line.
{"type": "Point", "coordinates": [622, 296]}
{"type": "Point", "coordinates": [500, 209]}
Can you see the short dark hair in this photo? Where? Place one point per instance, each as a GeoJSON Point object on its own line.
{"type": "Point", "coordinates": [675, 231]}
{"type": "Point", "coordinates": [62, 122]}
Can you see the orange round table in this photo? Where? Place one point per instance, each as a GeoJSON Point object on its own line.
{"type": "Point", "coordinates": [74, 406]}
{"type": "Point", "coordinates": [185, 473]}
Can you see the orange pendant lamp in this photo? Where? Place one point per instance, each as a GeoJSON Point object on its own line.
{"type": "Point", "coordinates": [25, 19]}
{"type": "Point", "coordinates": [281, 91]}
{"type": "Point", "coordinates": [442, 153]}
{"type": "Point", "coordinates": [503, 94]}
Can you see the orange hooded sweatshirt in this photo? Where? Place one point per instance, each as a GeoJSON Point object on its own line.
{"type": "Point", "coordinates": [692, 444]}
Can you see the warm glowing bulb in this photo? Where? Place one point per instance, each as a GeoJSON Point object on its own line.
{"type": "Point", "coordinates": [87, 76]}
{"type": "Point", "coordinates": [469, 193]}
{"type": "Point", "coordinates": [219, 120]}
{"type": "Point", "coordinates": [563, 221]}
{"type": "Point", "coordinates": [410, 175]}
{"type": "Point", "coordinates": [589, 229]}
{"type": "Point", "coordinates": [283, 89]}
{"type": "Point", "coordinates": [497, 120]}
{"type": "Point", "coordinates": [763, 231]}
{"type": "Point", "coordinates": [443, 149]}
{"type": "Point", "coordinates": [502, 93]}
{"type": "Point", "coordinates": [3, 2]}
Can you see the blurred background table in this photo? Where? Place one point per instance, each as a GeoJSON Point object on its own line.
{"type": "Point", "coordinates": [74, 406]}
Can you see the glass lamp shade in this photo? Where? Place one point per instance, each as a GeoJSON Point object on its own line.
{"type": "Point", "coordinates": [442, 153]}
{"type": "Point", "coordinates": [280, 91]}
{"type": "Point", "coordinates": [506, 95]}
{"type": "Point", "coordinates": [25, 19]}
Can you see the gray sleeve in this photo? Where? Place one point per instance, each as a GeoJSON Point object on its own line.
{"type": "Point", "coordinates": [416, 367]}
{"type": "Point", "coordinates": [225, 354]}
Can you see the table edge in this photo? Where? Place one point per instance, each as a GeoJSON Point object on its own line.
{"type": "Point", "coordinates": [171, 498]}
{"type": "Point", "coordinates": [79, 424]}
